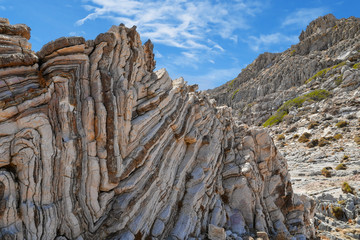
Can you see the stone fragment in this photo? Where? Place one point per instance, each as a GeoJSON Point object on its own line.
{"type": "Point", "coordinates": [216, 233]}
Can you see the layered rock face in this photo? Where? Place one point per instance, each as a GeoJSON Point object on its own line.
{"type": "Point", "coordinates": [273, 78]}
{"type": "Point", "coordinates": [95, 145]}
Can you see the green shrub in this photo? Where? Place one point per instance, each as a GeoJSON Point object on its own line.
{"type": "Point", "coordinates": [234, 93]}
{"type": "Point", "coordinates": [341, 166]}
{"type": "Point", "coordinates": [322, 72]}
{"type": "Point", "coordinates": [231, 84]}
{"type": "Point", "coordinates": [338, 136]}
{"type": "Point", "coordinates": [342, 124]}
{"type": "Point", "coordinates": [346, 188]}
{"type": "Point", "coordinates": [313, 143]}
{"type": "Point", "coordinates": [275, 119]}
{"type": "Point", "coordinates": [337, 212]}
{"type": "Point", "coordinates": [357, 139]}
{"type": "Point", "coordinates": [292, 53]}
{"type": "Point", "coordinates": [345, 157]}
{"type": "Point", "coordinates": [323, 142]}
{"type": "Point", "coordinates": [318, 74]}
{"type": "Point", "coordinates": [331, 138]}
{"type": "Point", "coordinates": [339, 80]}
{"type": "Point", "coordinates": [305, 137]}
{"type": "Point", "coordinates": [357, 65]}
{"type": "Point", "coordinates": [338, 65]}
{"type": "Point", "coordinates": [316, 95]}
{"type": "Point", "coordinates": [313, 124]}
{"type": "Point", "coordinates": [326, 171]}
{"type": "Point", "coordinates": [281, 137]}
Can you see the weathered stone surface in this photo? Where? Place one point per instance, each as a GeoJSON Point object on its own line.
{"type": "Point", "coordinates": [273, 78]}
{"type": "Point", "coordinates": [104, 148]}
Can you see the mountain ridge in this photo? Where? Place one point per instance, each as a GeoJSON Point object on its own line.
{"type": "Point", "coordinates": [271, 78]}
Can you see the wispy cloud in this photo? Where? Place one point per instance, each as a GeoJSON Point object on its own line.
{"type": "Point", "coordinates": [213, 78]}
{"type": "Point", "coordinates": [302, 17]}
{"type": "Point", "coordinates": [80, 33]}
{"type": "Point", "coordinates": [178, 23]}
{"type": "Point", "coordinates": [264, 41]}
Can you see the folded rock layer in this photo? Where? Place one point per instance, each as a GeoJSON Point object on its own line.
{"type": "Point", "coordinates": [95, 145]}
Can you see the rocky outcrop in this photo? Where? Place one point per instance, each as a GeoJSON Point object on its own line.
{"type": "Point", "coordinates": [264, 85]}
{"type": "Point", "coordinates": [95, 145]}
{"type": "Point", "coordinates": [326, 164]}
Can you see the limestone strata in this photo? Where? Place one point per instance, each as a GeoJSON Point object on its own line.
{"type": "Point", "coordinates": [273, 78]}
{"type": "Point", "coordinates": [95, 145]}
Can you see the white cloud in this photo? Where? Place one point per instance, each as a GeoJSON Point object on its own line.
{"type": "Point", "coordinates": [214, 78]}
{"type": "Point", "coordinates": [302, 17]}
{"type": "Point", "coordinates": [80, 33]}
{"type": "Point", "coordinates": [157, 54]}
{"type": "Point", "coordinates": [178, 23]}
{"type": "Point", "coordinates": [264, 41]}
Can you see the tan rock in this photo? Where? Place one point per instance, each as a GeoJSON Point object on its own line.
{"type": "Point", "coordinates": [216, 233]}
{"type": "Point", "coordinates": [94, 144]}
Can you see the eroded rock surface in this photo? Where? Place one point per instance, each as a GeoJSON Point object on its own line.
{"type": "Point", "coordinates": [273, 78]}
{"type": "Point", "coordinates": [95, 145]}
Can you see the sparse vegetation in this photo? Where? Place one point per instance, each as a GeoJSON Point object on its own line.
{"type": "Point", "coordinates": [312, 125]}
{"type": "Point", "coordinates": [339, 65]}
{"type": "Point", "coordinates": [231, 84]}
{"type": "Point", "coordinates": [322, 72]}
{"type": "Point", "coordinates": [281, 137]}
{"type": "Point", "coordinates": [234, 93]}
{"type": "Point", "coordinates": [305, 137]}
{"type": "Point", "coordinates": [346, 188]}
{"type": "Point", "coordinates": [342, 124]}
{"type": "Point", "coordinates": [323, 142]}
{"type": "Point", "coordinates": [357, 65]}
{"type": "Point", "coordinates": [341, 166]}
{"type": "Point", "coordinates": [341, 202]}
{"type": "Point", "coordinates": [337, 212]}
{"type": "Point", "coordinates": [275, 119]}
{"type": "Point", "coordinates": [357, 139]}
{"type": "Point", "coordinates": [318, 74]}
{"type": "Point", "coordinates": [296, 136]}
{"type": "Point", "coordinates": [316, 95]}
{"type": "Point", "coordinates": [313, 143]}
{"type": "Point", "coordinates": [339, 80]}
{"type": "Point", "coordinates": [326, 171]}
{"type": "Point", "coordinates": [292, 53]}
{"type": "Point", "coordinates": [345, 157]}
{"type": "Point", "coordinates": [338, 136]}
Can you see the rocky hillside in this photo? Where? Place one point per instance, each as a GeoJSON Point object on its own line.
{"type": "Point", "coordinates": [95, 145]}
{"type": "Point", "coordinates": [273, 78]}
{"type": "Point", "coordinates": [308, 98]}
{"type": "Point", "coordinates": [321, 142]}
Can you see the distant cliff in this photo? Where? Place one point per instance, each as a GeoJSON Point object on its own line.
{"type": "Point", "coordinates": [273, 78]}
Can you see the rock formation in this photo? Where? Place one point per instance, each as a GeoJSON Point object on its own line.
{"type": "Point", "coordinates": [311, 89]}
{"type": "Point", "coordinates": [95, 145]}
{"type": "Point", "coordinates": [273, 78]}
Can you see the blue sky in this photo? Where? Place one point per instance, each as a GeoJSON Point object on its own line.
{"type": "Point", "coordinates": [207, 42]}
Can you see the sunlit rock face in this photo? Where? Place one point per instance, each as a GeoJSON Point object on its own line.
{"type": "Point", "coordinates": [95, 145]}
{"type": "Point", "coordinates": [273, 78]}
